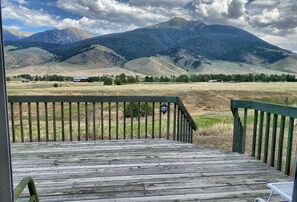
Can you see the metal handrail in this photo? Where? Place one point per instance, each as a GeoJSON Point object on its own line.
{"type": "Point", "coordinates": [26, 181]}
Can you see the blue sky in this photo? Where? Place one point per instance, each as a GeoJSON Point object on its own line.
{"type": "Point", "coordinates": [272, 20]}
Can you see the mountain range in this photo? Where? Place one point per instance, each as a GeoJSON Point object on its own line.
{"type": "Point", "coordinates": [174, 47]}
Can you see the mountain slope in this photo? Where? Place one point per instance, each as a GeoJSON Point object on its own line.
{"type": "Point", "coordinates": [13, 35]}
{"type": "Point", "coordinates": [218, 42]}
{"type": "Point", "coordinates": [64, 36]}
{"type": "Point", "coordinates": [173, 47]}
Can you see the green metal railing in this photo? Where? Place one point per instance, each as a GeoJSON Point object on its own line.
{"type": "Point", "coordinates": [68, 118]}
{"type": "Point", "coordinates": [27, 181]}
{"type": "Point", "coordinates": [273, 140]}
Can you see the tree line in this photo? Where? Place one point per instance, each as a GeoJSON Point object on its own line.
{"type": "Point", "coordinates": [124, 79]}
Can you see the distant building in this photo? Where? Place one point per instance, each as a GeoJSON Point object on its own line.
{"type": "Point", "coordinates": [25, 80]}
{"type": "Point", "coordinates": [81, 79]}
{"type": "Point", "coordinates": [215, 80]}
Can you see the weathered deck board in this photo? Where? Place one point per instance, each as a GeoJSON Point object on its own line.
{"type": "Point", "coordinates": [140, 170]}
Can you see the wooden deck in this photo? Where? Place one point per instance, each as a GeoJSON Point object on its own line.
{"type": "Point", "coordinates": [140, 170]}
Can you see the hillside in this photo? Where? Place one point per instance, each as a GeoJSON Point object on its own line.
{"type": "Point", "coordinates": [64, 36]}
{"type": "Point", "coordinates": [173, 47]}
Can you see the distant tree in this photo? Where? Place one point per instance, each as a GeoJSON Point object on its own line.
{"type": "Point", "coordinates": [107, 81]}
{"type": "Point", "coordinates": [118, 81]}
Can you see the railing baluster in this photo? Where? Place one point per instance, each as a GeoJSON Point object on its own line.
{"type": "Point", "coordinates": [54, 121]}
{"type": "Point", "coordinates": [21, 121]}
{"type": "Point", "coordinates": [186, 130]}
{"type": "Point", "coordinates": [46, 122]}
{"type": "Point", "coordinates": [255, 133]}
{"type": "Point", "coordinates": [273, 140]}
{"type": "Point", "coordinates": [145, 125]}
{"type": "Point", "coordinates": [189, 133]}
{"type": "Point", "coordinates": [78, 121]}
{"type": "Point", "coordinates": [86, 121]}
{"type": "Point", "coordinates": [289, 146]}
{"type": "Point", "coordinates": [153, 121]}
{"type": "Point", "coordinates": [62, 121]}
{"type": "Point", "coordinates": [260, 135]}
{"type": "Point", "coordinates": [109, 121]}
{"type": "Point", "coordinates": [38, 121]}
{"type": "Point", "coordinates": [138, 117]}
{"type": "Point", "coordinates": [168, 120]}
{"type": "Point", "coordinates": [102, 122]}
{"type": "Point", "coordinates": [30, 122]}
{"type": "Point", "coordinates": [132, 114]}
{"type": "Point", "coordinates": [267, 130]}
{"type": "Point", "coordinates": [181, 127]}
{"type": "Point", "coordinates": [178, 125]}
{"type": "Point", "coordinates": [281, 143]}
{"type": "Point", "coordinates": [244, 131]}
{"type": "Point", "coordinates": [124, 121]}
{"type": "Point", "coordinates": [117, 120]}
{"type": "Point", "coordinates": [160, 121]}
{"type": "Point", "coordinates": [174, 122]}
{"type": "Point", "coordinates": [94, 121]}
{"type": "Point", "coordinates": [12, 122]}
{"type": "Point", "coordinates": [70, 121]}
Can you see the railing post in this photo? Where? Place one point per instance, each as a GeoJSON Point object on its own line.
{"type": "Point", "coordinates": [6, 185]}
{"type": "Point", "coordinates": [294, 197]}
{"type": "Point", "coordinates": [237, 132]}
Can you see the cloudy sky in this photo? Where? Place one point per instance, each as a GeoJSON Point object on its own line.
{"type": "Point", "coordinates": [272, 20]}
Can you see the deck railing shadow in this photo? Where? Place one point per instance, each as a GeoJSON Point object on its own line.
{"type": "Point", "coordinates": [83, 118]}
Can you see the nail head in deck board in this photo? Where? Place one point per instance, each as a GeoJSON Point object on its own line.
{"type": "Point", "coordinates": [186, 174]}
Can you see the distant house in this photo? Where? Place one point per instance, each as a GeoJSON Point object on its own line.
{"type": "Point", "coordinates": [81, 79]}
{"type": "Point", "coordinates": [23, 80]}
{"type": "Point", "coordinates": [215, 80]}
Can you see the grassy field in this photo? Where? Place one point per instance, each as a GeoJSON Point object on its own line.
{"type": "Point", "coordinates": [208, 103]}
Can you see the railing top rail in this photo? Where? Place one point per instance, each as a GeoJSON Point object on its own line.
{"type": "Point", "coordinates": [283, 110]}
{"type": "Point", "coordinates": [87, 98]}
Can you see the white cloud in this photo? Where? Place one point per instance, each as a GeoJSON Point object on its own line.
{"type": "Point", "coordinates": [267, 17]}
{"type": "Point", "coordinates": [30, 17]}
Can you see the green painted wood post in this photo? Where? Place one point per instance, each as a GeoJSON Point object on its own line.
{"type": "Point", "coordinates": [243, 139]}
{"type": "Point", "coordinates": [273, 140]}
{"type": "Point", "coordinates": [237, 135]}
{"type": "Point", "coordinates": [267, 130]}
{"type": "Point", "coordinates": [289, 146]}
{"type": "Point", "coordinates": [281, 143]}
{"type": "Point", "coordinates": [255, 133]}
{"type": "Point", "coordinates": [260, 135]}
{"type": "Point", "coordinates": [294, 198]}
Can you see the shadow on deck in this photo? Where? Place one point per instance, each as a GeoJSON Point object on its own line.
{"type": "Point", "coordinates": [140, 170]}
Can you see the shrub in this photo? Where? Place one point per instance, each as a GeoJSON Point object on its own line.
{"type": "Point", "coordinates": [55, 85]}
{"type": "Point", "coordinates": [107, 81]}
{"type": "Point", "coordinates": [134, 109]}
{"type": "Point", "coordinates": [118, 81]}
